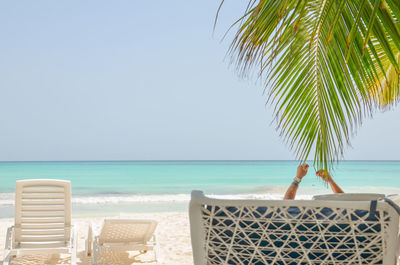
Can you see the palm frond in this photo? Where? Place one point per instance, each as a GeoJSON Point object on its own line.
{"type": "Point", "coordinates": [327, 65]}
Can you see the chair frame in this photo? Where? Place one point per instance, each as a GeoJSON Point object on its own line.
{"type": "Point", "coordinates": [349, 197]}
{"type": "Point", "coordinates": [201, 225]}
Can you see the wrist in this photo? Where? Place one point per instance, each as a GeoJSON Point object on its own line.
{"type": "Point", "coordinates": [299, 176]}
{"type": "Point", "coordinates": [328, 178]}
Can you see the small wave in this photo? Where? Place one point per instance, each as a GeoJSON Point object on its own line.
{"type": "Point", "coordinates": [8, 199]}
{"type": "Point", "coordinates": [112, 199]}
{"type": "Point", "coordinates": [263, 193]}
{"type": "Point", "coordinates": [175, 198]}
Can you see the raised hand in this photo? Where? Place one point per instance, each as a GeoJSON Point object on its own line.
{"type": "Point", "coordinates": [324, 175]}
{"type": "Point", "coordinates": [302, 170]}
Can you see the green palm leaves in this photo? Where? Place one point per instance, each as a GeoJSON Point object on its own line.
{"type": "Point", "coordinates": [328, 64]}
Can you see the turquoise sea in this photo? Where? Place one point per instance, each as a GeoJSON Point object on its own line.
{"type": "Point", "coordinates": [123, 187]}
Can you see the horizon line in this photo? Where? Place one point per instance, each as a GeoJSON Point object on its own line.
{"type": "Point", "coordinates": [196, 160]}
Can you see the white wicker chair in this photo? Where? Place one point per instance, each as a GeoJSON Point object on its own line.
{"type": "Point", "coordinates": [122, 235]}
{"type": "Point", "coordinates": [42, 220]}
{"type": "Point", "coordinates": [257, 232]}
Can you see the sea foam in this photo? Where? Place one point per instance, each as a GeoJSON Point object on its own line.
{"type": "Point", "coordinates": [263, 193]}
{"type": "Point", "coordinates": [7, 199]}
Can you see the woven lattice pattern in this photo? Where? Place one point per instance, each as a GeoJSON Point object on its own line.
{"type": "Point", "coordinates": [124, 232]}
{"type": "Point", "coordinates": [293, 235]}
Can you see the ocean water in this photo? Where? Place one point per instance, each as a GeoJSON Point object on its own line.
{"type": "Point", "coordinates": [110, 188]}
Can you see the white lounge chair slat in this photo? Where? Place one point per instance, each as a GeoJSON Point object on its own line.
{"type": "Point", "coordinates": [44, 246]}
{"type": "Point", "coordinates": [44, 232]}
{"type": "Point", "coordinates": [41, 208]}
{"type": "Point", "coordinates": [57, 248]}
{"type": "Point", "coordinates": [43, 214]}
{"type": "Point", "coordinates": [43, 226]}
{"type": "Point", "coordinates": [42, 196]}
{"type": "Point", "coordinates": [43, 190]}
{"type": "Point", "coordinates": [30, 220]}
{"type": "Point", "coordinates": [43, 202]}
{"type": "Point", "coordinates": [46, 238]}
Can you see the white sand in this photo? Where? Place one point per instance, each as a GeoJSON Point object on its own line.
{"type": "Point", "coordinates": [173, 237]}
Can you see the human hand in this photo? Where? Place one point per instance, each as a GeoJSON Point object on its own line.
{"type": "Point", "coordinates": [302, 170]}
{"type": "Point", "coordinates": [324, 174]}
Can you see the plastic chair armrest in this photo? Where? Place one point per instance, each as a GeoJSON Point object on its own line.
{"type": "Point", "coordinates": [9, 238]}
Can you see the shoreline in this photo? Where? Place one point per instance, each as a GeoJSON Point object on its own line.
{"type": "Point", "coordinates": [96, 205]}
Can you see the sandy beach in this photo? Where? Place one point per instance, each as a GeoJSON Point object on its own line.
{"type": "Point", "coordinates": [173, 237]}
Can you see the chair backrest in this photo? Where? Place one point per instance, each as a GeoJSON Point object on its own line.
{"type": "Point", "coordinates": [42, 213]}
{"type": "Point", "coordinates": [349, 197]}
{"type": "Point", "coordinates": [127, 231]}
{"type": "Point", "coordinates": [292, 232]}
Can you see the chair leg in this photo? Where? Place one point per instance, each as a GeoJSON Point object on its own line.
{"type": "Point", "coordinates": [89, 241]}
{"type": "Point", "coordinates": [7, 258]}
{"type": "Point", "coordinates": [8, 253]}
{"type": "Point", "coordinates": [88, 248]}
{"type": "Point", "coordinates": [73, 257]}
{"type": "Point", "coordinates": [74, 246]}
{"type": "Point", "coordinates": [155, 256]}
{"type": "Point", "coordinates": [156, 249]}
{"type": "Point", "coordinates": [95, 255]}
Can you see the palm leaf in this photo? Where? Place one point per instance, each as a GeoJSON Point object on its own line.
{"type": "Point", "coordinates": [327, 65]}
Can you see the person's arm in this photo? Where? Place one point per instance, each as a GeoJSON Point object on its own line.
{"type": "Point", "coordinates": [292, 190]}
{"type": "Point", "coordinates": [335, 187]}
{"type": "Point", "coordinates": [328, 178]}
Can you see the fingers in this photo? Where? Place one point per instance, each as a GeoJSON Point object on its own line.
{"type": "Point", "coordinates": [302, 170]}
{"type": "Point", "coordinates": [324, 174]}
{"type": "Point", "coordinates": [304, 166]}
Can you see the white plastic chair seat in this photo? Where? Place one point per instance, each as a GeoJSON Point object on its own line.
{"type": "Point", "coordinates": [118, 235]}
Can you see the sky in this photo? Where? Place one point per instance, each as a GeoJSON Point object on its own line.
{"type": "Point", "coordinates": [139, 80]}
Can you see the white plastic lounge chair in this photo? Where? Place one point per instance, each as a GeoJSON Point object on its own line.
{"type": "Point", "coordinates": [42, 220]}
{"type": "Point", "coordinates": [283, 232]}
{"type": "Point", "coordinates": [122, 235]}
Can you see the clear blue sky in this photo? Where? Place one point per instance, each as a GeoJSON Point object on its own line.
{"type": "Point", "coordinates": [133, 80]}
